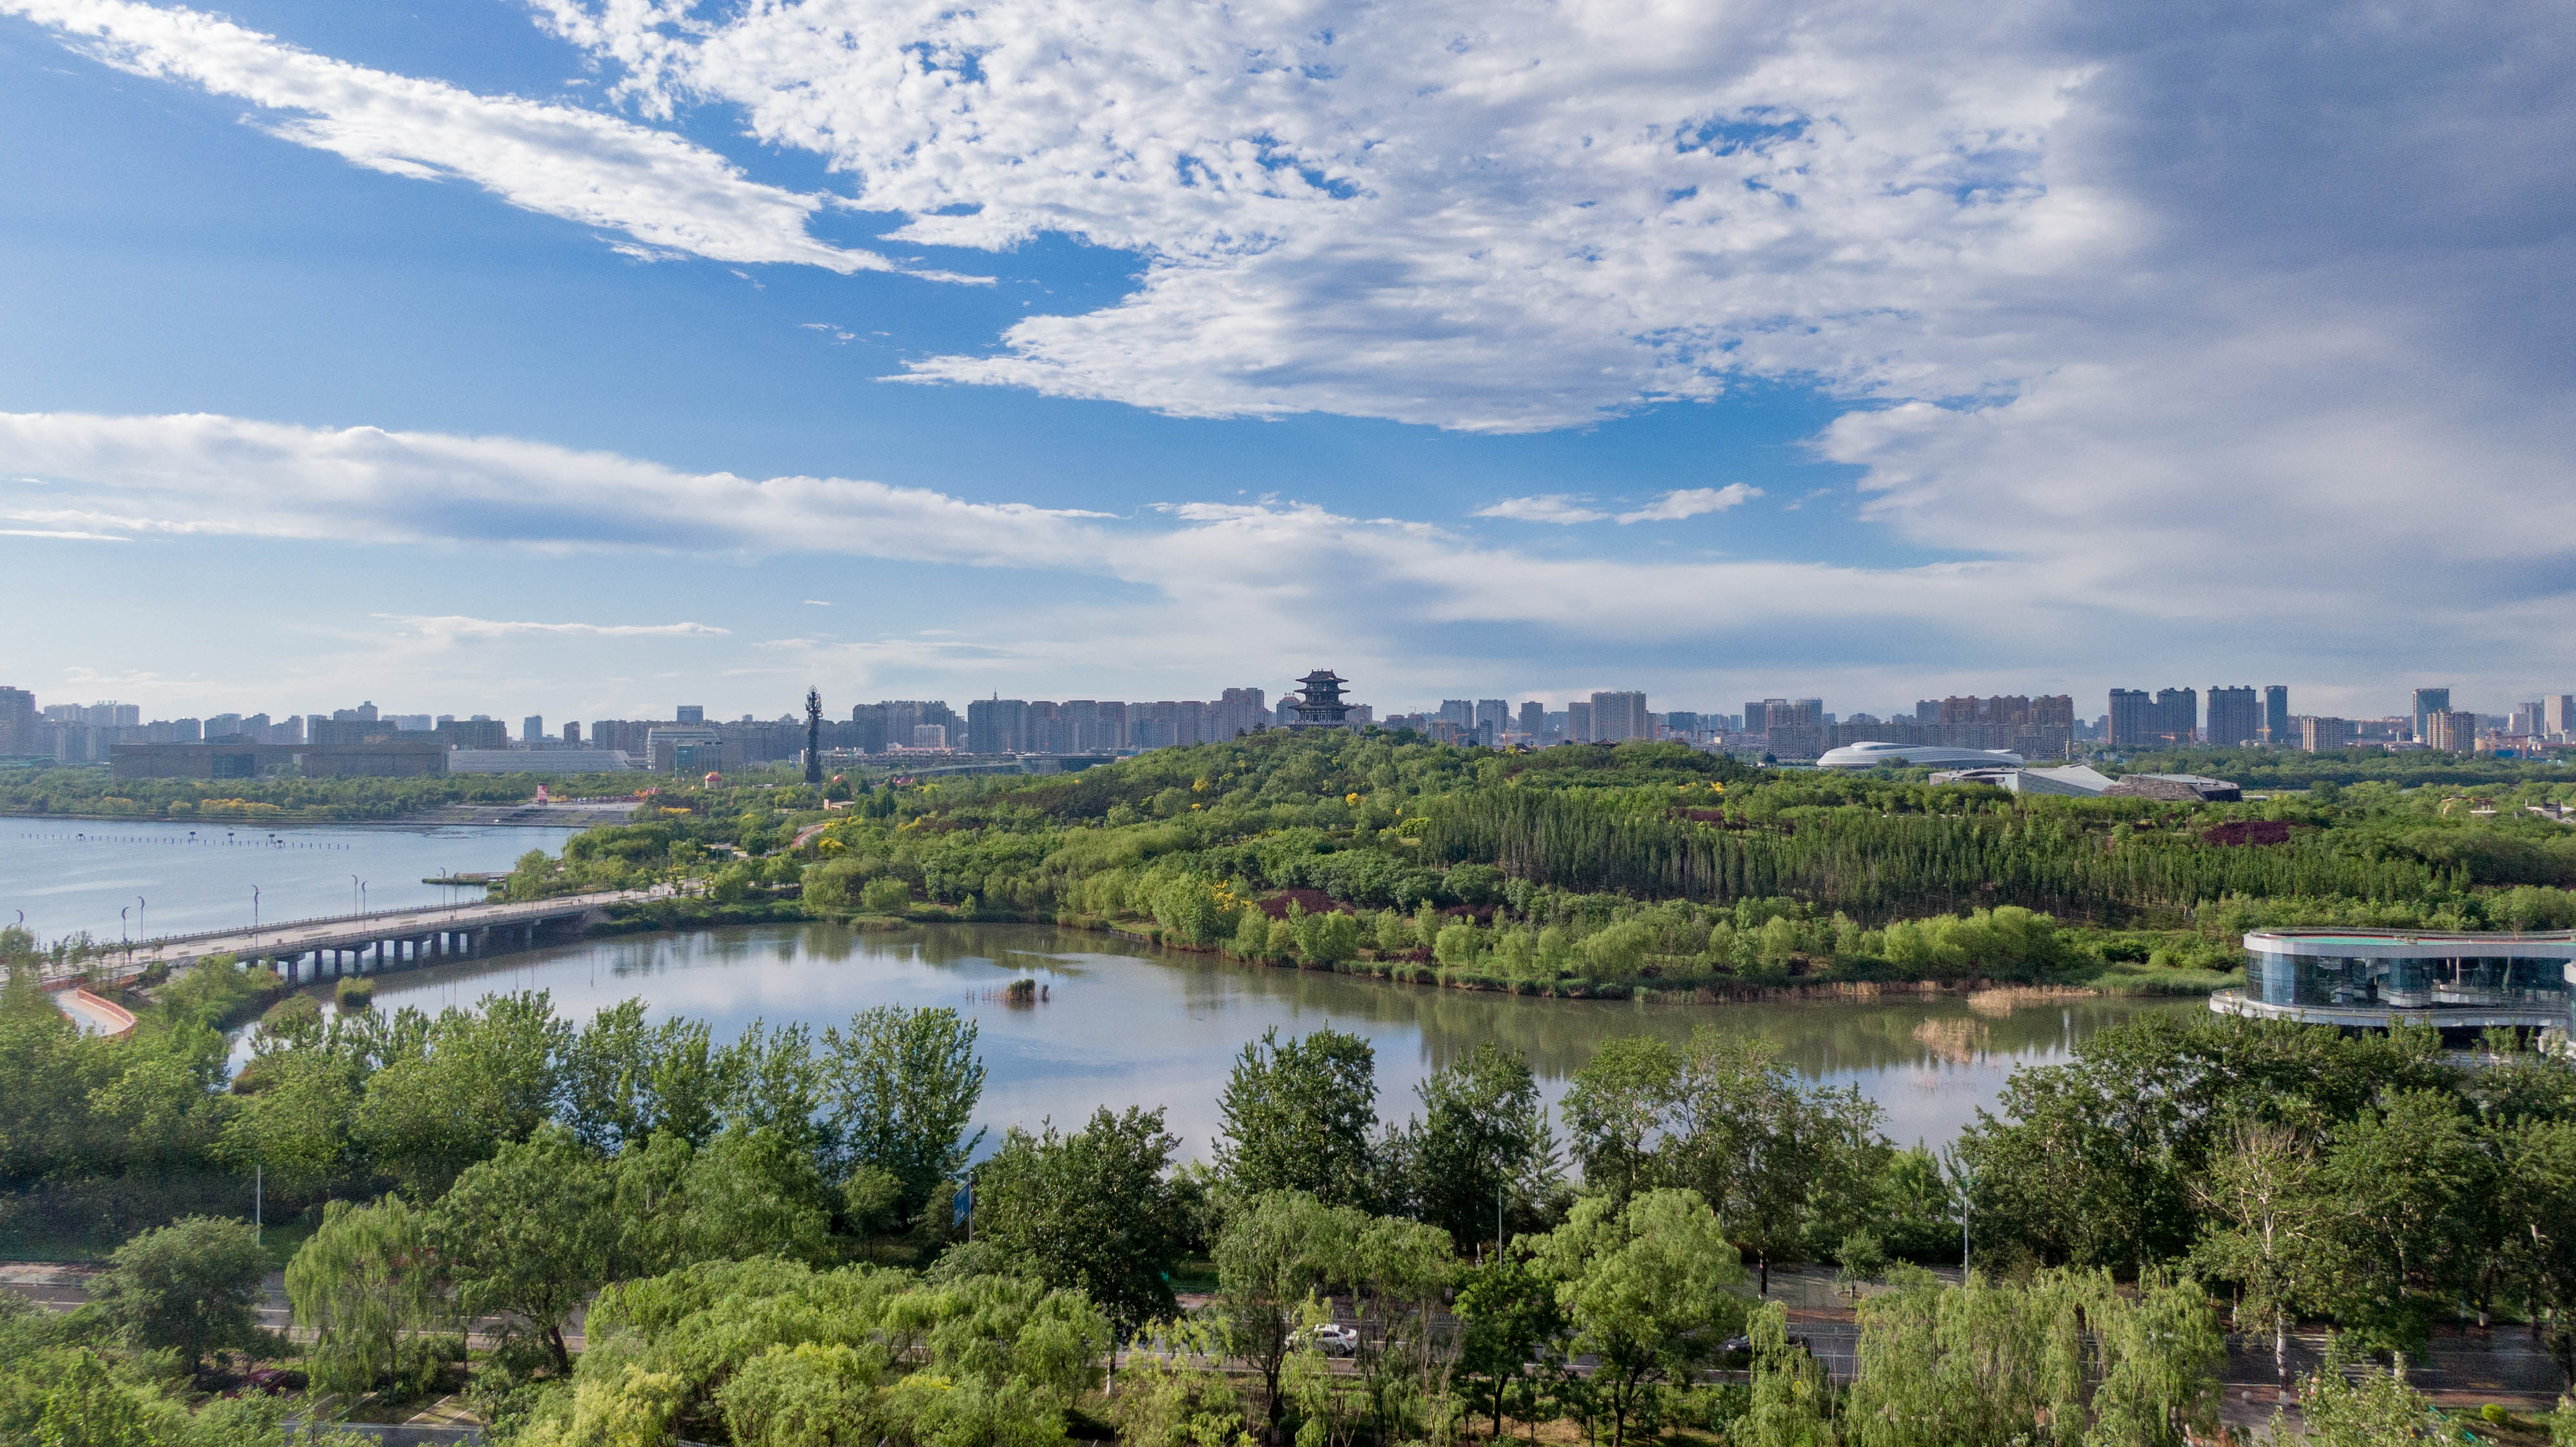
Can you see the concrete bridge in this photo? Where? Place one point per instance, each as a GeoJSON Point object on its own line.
{"type": "Point", "coordinates": [307, 949]}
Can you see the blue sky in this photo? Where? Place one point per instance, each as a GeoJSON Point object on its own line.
{"type": "Point", "coordinates": [536, 358]}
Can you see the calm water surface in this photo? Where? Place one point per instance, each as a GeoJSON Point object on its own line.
{"type": "Point", "coordinates": [1129, 1024]}
{"type": "Point", "coordinates": [70, 875]}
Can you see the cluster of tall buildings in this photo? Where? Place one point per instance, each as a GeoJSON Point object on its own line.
{"type": "Point", "coordinates": [1091, 726]}
{"type": "Point", "coordinates": [2237, 716]}
{"type": "Point", "coordinates": [1606, 717]}
{"type": "Point", "coordinates": [366, 740]}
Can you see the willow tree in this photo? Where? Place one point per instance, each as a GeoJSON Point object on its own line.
{"type": "Point", "coordinates": [367, 1285]}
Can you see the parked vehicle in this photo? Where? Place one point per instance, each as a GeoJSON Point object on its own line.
{"type": "Point", "coordinates": [1333, 1339]}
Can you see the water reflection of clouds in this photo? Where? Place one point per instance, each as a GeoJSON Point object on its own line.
{"type": "Point", "coordinates": [1147, 1027]}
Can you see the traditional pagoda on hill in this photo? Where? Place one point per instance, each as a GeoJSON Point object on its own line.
{"type": "Point", "coordinates": [1319, 705]}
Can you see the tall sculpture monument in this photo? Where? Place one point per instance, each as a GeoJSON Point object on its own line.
{"type": "Point", "coordinates": [814, 738]}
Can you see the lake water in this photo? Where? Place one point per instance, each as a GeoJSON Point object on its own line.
{"type": "Point", "coordinates": [70, 875]}
{"type": "Point", "coordinates": [1130, 1024]}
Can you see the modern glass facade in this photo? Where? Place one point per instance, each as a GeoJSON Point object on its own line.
{"type": "Point", "coordinates": [2342, 975]}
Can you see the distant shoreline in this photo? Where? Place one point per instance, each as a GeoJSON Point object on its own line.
{"type": "Point", "coordinates": [568, 817]}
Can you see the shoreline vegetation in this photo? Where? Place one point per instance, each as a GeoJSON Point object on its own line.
{"type": "Point", "coordinates": [1634, 871]}
{"type": "Point", "coordinates": [774, 1229]}
{"type": "Point", "coordinates": [794, 1238]}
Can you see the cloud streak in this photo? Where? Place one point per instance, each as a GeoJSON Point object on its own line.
{"type": "Point", "coordinates": [1691, 502]}
{"type": "Point", "coordinates": [665, 195]}
{"type": "Point", "coordinates": [451, 627]}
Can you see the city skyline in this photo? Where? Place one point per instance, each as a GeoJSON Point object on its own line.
{"type": "Point", "coordinates": [998, 724]}
{"type": "Point", "coordinates": [523, 359]}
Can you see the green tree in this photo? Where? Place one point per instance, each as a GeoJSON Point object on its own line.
{"type": "Point", "coordinates": [1791, 1403]}
{"type": "Point", "coordinates": [1297, 1117]}
{"type": "Point", "coordinates": [1648, 1288]}
{"type": "Point", "coordinates": [294, 1129]}
{"type": "Point", "coordinates": [809, 1394]}
{"type": "Point", "coordinates": [529, 1234]}
{"type": "Point", "coordinates": [192, 1286]}
{"type": "Point", "coordinates": [2405, 1174]}
{"type": "Point", "coordinates": [1481, 1144]}
{"type": "Point", "coordinates": [2345, 1403]}
{"type": "Point", "coordinates": [1093, 1209]}
{"type": "Point", "coordinates": [1281, 1248]}
{"type": "Point", "coordinates": [1170, 1396]}
{"type": "Point", "coordinates": [901, 1086]}
{"type": "Point", "coordinates": [367, 1284]}
{"type": "Point", "coordinates": [477, 1079]}
{"type": "Point", "coordinates": [2536, 1201]}
{"type": "Point", "coordinates": [2271, 1232]}
{"type": "Point", "coordinates": [1749, 1141]}
{"type": "Point", "coordinates": [2064, 1358]}
{"type": "Point", "coordinates": [1509, 1316]}
{"type": "Point", "coordinates": [1615, 1108]}
{"type": "Point", "coordinates": [747, 1194]}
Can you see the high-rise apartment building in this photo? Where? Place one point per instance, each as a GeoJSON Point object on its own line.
{"type": "Point", "coordinates": [1578, 722]}
{"type": "Point", "coordinates": [532, 728]}
{"type": "Point", "coordinates": [1534, 720]}
{"type": "Point", "coordinates": [2561, 713]}
{"type": "Point", "coordinates": [1619, 716]}
{"type": "Point", "coordinates": [2276, 715]}
{"type": "Point", "coordinates": [997, 726]}
{"type": "Point", "coordinates": [1757, 715]}
{"type": "Point", "coordinates": [691, 715]}
{"type": "Point", "coordinates": [1493, 718]}
{"type": "Point", "coordinates": [572, 732]}
{"type": "Point", "coordinates": [2319, 735]}
{"type": "Point", "coordinates": [2451, 731]}
{"type": "Point", "coordinates": [2235, 717]}
{"type": "Point", "coordinates": [2428, 701]}
{"type": "Point", "coordinates": [1238, 710]}
{"type": "Point", "coordinates": [17, 721]}
{"type": "Point", "coordinates": [2138, 721]}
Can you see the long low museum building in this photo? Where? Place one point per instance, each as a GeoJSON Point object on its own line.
{"type": "Point", "coordinates": [2378, 978]}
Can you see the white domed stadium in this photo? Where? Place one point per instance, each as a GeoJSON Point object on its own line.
{"type": "Point", "coordinates": [1920, 756]}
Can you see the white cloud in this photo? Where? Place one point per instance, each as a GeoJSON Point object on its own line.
{"type": "Point", "coordinates": [1691, 502]}
{"type": "Point", "coordinates": [1566, 509]}
{"type": "Point", "coordinates": [451, 627]}
{"type": "Point", "coordinates": [663, 193]}
{"type": "Point", "coordinates": [1494, 218]}
{"type": "Point", "coordinates": [1186, 593]}
{"type": "Point", "coordinates": [58, 533]}
{"type": "Point", "coordinates": [201, 474]}
{"type": "Point", "coordinates": [1212, 570]}
{"type": "Point", "coordinates": [1546, 508]}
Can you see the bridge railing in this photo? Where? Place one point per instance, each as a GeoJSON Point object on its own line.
{"type": "Point", "coordinates": [485, 912]}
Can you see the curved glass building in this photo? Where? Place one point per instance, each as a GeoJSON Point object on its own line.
{"type": "Point", "coordinates": [2417, 977]}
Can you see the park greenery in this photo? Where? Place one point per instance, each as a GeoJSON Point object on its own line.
{"type": "Point", "coordinates": [1585, 870]}
{"type": "Point", "coordinates": [625, 1230]}
{"type": "Point", "coordinates": [787, 1238]}
{"type": "Point", "coordinates": [1641, 868]}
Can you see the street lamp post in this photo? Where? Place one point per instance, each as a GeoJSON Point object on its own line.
{"type": "Point", "coordinates": [124, 938]}
{"type": "Point", "coordinates": [354, 895]}
{"type": "Point", "coordinates": [1963, 1179]}
{"type": "Point", "coordinates": [254, 920]}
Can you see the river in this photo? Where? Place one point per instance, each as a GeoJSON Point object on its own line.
{"type": "Point", "coordinates": [71, 875]}
{"type": "Point", "coordinates": [1124, 1023]}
